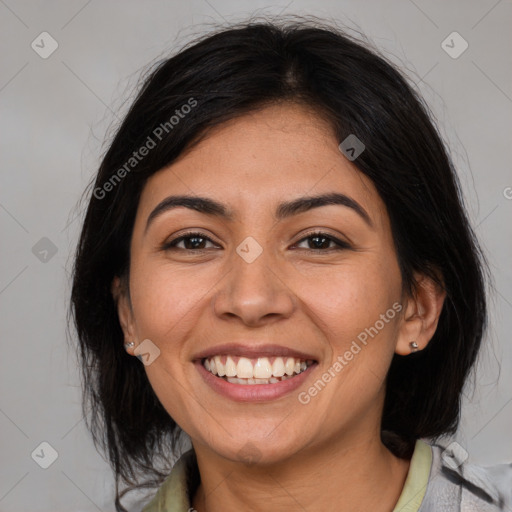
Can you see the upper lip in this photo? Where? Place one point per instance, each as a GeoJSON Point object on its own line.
{"type": "Point", "coordinates": [252, 351]}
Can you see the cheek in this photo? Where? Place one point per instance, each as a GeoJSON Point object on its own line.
{"type": "Point", "coordinates": [351, 297]}
{"type": "Point", "coordinates": [353, 307]}
{"type": "Point", "coordinates": [165, 302]}
{"type": "Point", "coordinates": [164, 299]}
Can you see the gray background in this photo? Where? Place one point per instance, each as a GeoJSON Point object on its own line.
{"type": "Point", "coordinates": [55, 113]}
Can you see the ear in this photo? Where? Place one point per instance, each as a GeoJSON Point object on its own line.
{"type": "Point", "coordinates": [124, 311]}
{"type": "Point", "coordinates": [421, 315]}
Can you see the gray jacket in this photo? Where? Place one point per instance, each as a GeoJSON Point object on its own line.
{"type": "Point", "coordinates": [456, 485]}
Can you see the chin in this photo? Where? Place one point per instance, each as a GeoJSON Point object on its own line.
{"type": "Point", "coordinates": [256, 450]}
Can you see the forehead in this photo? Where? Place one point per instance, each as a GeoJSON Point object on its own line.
{"type": "Point", "coordinates": [259, 159]}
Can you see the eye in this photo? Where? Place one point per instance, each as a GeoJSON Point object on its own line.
{"type": "Point", "coordinates": [192, 240]}
{"type": "Point", "coordinates": [195, 240]}
{"type": "Point", "coordinates": [322, 240]}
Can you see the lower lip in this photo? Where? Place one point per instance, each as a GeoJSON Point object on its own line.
{"type": "Point", "coordinates": [253, 392]}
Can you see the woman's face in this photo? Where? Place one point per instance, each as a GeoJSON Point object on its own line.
{"type": "Point", "coordinates": [260, 288]}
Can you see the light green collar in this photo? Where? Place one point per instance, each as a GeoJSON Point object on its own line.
{"type": "Point", "coordinates": [173, 495]}
{"type": "Point", "coordinates": [417, 479]}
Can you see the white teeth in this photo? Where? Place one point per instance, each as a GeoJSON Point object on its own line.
{"type": "Point", "coordinates": [220, 367]}
{"type": "Point", "coordinates": [230, 367]}
{"type": "Point", "coordinates": [244, 368]}
{"type": "Point", "coordinates": [278, 367]}
{"type": "Point", "coordinates": [263, 368]}
{"type": "Point", "coordinates": [272, 380]}
{"type": "Point", "coordinates": [289, 366]}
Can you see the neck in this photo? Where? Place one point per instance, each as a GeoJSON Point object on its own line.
{"type": "Point", "coordinates": [342, 476]}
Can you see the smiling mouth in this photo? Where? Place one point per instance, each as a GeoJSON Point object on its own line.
{"type": "Point", "coordinates": [251, 371]}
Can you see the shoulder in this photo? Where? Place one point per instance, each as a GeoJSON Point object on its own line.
{"type": "Point", "coordinates": [456, 484]}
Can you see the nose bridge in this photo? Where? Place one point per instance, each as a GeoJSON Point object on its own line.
{"type": "Point", "coordinates": [253, 288]}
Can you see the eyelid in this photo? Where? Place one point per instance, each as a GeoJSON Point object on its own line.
{"type": "Point", "coordinates": [187, 234]}
{"type": "Point", "coordinates": [342, 244]}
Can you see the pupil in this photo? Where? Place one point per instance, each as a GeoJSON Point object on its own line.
{"type": "Point", "coordinates": [193, 241]}
{"type": "Point", "coordinates": [316, 238]}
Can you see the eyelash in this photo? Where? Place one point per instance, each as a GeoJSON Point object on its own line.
{"type": "Point", "coordinates": [196, 234]}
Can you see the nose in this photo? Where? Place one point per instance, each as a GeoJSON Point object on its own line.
{"type": "Point", "coordinates": [255, 292]}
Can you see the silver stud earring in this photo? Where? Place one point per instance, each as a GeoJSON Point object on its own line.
{"type": "Point", "coordinates": [128, 345]}
{"type": "Point", "coordinates": [414, 346]}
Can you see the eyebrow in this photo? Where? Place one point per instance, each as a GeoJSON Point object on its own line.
{"type": "Point", "coordinates": [284, 210]}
